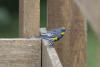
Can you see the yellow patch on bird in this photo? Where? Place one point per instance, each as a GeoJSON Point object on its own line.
{"type": "Point", "coordinates": [63, 33]}
{"type": "Point", "coordinates": [55, 38]}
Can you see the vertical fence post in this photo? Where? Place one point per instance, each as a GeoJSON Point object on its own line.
{"type": "Point", "coordinates": [29, 25]}
{"type": "Point", "coordinates": [72, 48]}
{"type": "Point", "coordinates": [29, 18]}
{"type": "Point", "coordinates": [78, 37]}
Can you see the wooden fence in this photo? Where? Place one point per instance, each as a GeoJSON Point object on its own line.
{"type": "Point", "coordinates": [26, 52]}
{"type": "Point", "coordinates": [72, 48]}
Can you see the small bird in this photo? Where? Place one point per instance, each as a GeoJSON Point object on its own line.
{"type": "Point", "coordinates": [53, 35]}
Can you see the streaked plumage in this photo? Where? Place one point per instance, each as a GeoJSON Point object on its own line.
{"type": "Point", "coordinates": [54, 35]}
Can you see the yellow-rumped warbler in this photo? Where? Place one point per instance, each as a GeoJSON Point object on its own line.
{"type": "Point", "coordinates": [53, 35]}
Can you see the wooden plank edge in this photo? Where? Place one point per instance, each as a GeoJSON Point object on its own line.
{"type": "Point", "coordinates": [20, 38]}
{"type": "Point", "coordinates": [50, 56]}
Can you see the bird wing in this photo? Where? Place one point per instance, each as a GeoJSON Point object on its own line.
{"type": "Point", "coordinates": [48, 35]}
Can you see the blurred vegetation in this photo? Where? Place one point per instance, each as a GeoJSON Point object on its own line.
{"type": "Point", "coordinates": [92, 48]}
{"type": "Point", "coordinates": [43, 13]}
{"type": "Point", "coordinates": [9, 27]}
{"type": "Point", "coordinates": [9, 18]}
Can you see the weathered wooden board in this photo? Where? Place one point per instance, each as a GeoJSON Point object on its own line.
{"type": "Point", "coordinates": [20, 53]}
{"type": "Point", "coordinates": [71, 48]}
{"type": "Point", "coordinates": [29, 18]}
{"type": "Point", "coordinates": [91, 10]}
{"type": "Point", "coordinates": [49, 55]}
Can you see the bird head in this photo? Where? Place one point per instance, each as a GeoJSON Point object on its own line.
{"type": "Point", "coordinates": [63, 30]}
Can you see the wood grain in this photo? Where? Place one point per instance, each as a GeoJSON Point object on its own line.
{"type": "Point", "coordinates": [91, 10]}
{"type": "Point", "coordinates": [49, 56]}
{"type": "Point", "coordinates": [72, 47]}
{"type": "Point", "coordinates": [20, 53]}
{"type": "Point", "coordinates": [29, 18]}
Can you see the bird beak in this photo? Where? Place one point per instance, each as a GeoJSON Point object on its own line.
{"type": "Point", "coordinates": [63, 33]}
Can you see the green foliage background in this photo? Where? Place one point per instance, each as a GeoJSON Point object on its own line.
{"type": "Point", "coordinates": [9, 27]}
{"type": "Point", "coordinates": [9, 18]}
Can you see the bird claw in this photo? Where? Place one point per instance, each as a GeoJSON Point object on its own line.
{"type": "Point", "coordinates": [51, 44]}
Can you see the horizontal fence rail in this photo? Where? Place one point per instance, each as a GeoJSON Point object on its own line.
{"type": "Point", "coordinates": [20, 52]}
